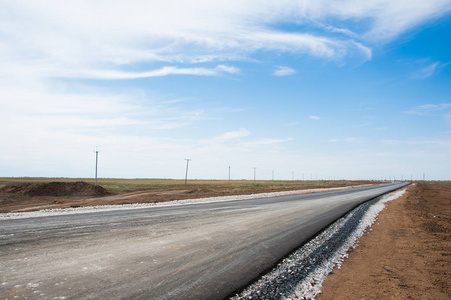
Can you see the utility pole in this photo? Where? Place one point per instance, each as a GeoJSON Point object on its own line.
{"type": "Point", "coordinates": [272, 175]}
{"type": "Point", "coordinates": [292, 176]}
{"type": "Point", "coordinates": [424, 176]}
{"type": "Point", "coordinates": [187, 162]}
{"type": "Point", "coordinates": [254, 173]}
{"type": "Point", "coordinates": [97, 159]}
{"type": "Point", "coordinates": [229, 174]}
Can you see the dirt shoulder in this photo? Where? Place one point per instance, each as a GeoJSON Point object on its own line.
{"type": "Point", "coordinates": [405, 255]}
{"type": "Point", "coordinates": [50, 195]}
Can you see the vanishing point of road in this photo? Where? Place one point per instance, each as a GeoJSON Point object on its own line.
{"type": "Point", "coordinates": [195, 251]}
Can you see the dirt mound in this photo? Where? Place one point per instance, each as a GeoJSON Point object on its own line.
{"type": "Point", "coordinates": [79, 188]}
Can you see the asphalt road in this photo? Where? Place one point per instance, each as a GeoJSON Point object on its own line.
{"type": "Point", "coordinates": [197, 251]}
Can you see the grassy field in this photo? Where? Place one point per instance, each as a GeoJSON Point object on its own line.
{"type": "Point", "coordinates": [204, 186]}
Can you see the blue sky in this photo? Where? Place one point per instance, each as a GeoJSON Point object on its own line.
{"type": "Point", "coordinates": [325, 89]}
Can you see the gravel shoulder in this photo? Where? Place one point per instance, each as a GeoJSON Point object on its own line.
{"type": "Point", "coordinates": [406, 253]}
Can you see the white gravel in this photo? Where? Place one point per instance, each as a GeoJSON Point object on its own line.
{"type": "Point", "coordinates": [301, 274]}
{"type": "Point", "coordinates": [91, 209]}
{"type": "Point", "coordinates": [311, 285]}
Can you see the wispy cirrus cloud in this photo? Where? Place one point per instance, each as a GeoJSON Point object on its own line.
{"type": "Point", "coordinates": [433, 142]}
{"type": "Point", "coordinates": [84, 113]}
{"type": "Point", "coordinates": [90, 36]}
{"type": "Point", "coordinates": [314, 117]}
{"type": "Point", "coordinates": [435, 107]}
{"type": "Point", "coordinates": [429, 109]}
{"type": "Point", "coordinates": [389, 19]}
{"type": "Point", "coordinates": [165, 71]}
{"type": "Point", "coordinates": [284, 71]}
{"type": "Point", "coordinates": [429, 70]}
{"type": "Point", "coordinates": [352, 140]}
{"type": "Point", "coordinates": [232, 135]}
{"type": "Point", "coordinates": [266, 142]}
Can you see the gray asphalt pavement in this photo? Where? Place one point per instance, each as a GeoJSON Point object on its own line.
{"type": "Point", "coordinates": [197, 251]}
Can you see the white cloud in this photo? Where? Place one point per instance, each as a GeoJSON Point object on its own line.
{"type": "Point", "coordinates": [231, 135]}
{"type": "Point", "coordinates": [429, 109]}
{"type": "Point", "coordinates": [266, 142]}
{"type": "Point", "coordinates": [165, 71]}
{"type": "Point", "coordinates": [89, 38]}
{"type": "Point", "coordinates": [435, 107]}
{"type": "Point", "coordinates": [434, 142]}
{"type": "Point", "coordinates": [42, 42]}
{"type": "Point", "coordinates": [388, 19]}
{"type": "Point", "coordinates": [426, 72]}
{"type": "Point", "coordinates": [26, 112]}
{"type": "Point", "coordinates": [283, 71]}
{"type": "Point", "coordinates": [352, 140]}
{"type": "Point", "coordinates": [228, 69]}
{"type": "Point", "coordinates": [340, 30]}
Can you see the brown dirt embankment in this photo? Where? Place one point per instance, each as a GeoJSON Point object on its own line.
{"type": "Point", "coordinates": [407, 254]}
{"type": "Point", "coordinates": [55, 189]}
{"type": "Point", "coordinates": [35, 196]}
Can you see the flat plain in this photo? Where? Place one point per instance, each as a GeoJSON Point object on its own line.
{"type": "Point", "coordinates": [128, 191]}
{"type": "Point", "coordinates": [192, 251]}
{"type": "Point", "coordinates": [406, 254]}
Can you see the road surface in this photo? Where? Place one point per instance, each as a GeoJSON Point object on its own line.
{"type": "Point", "coordinates": [197, 251]}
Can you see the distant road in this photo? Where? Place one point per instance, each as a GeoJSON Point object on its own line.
{"type": "Point", "coordinates": [196, 251]}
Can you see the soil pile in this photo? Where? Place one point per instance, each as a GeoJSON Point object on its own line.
{"type": "Point", "coordinates": [79, 188]}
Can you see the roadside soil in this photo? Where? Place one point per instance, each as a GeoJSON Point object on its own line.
{"type": "Point", "coordinates": [26, 196]}
{"type": "Point", "coordinates": [14, 202]}
{"type": "Point", "coordinates": [405, 255]}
